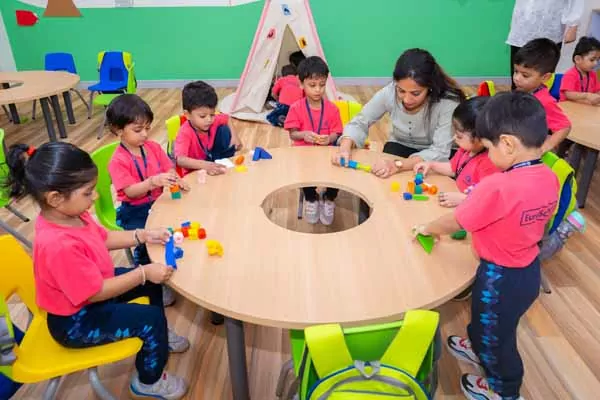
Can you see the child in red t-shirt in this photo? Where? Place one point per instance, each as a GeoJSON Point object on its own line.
{"type": "Point", "coordinates": [580, 83]}
{"type": "Point", "coordinates": [315, 121]}
{"type": "Point", "coordinates": [471, 163]}
{"type": "Point", "coordinates": [286, 91]}
{"type": "Point", "coordinates": [85, 296]}
{"type": "Point", "coordinates": [506, 215]}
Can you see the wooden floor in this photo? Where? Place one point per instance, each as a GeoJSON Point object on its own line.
{"type": "Point", "coordinates": [559, 338]}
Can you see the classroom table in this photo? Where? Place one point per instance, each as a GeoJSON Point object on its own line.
{"type": "Point", "coordinates": [24, 86]}
{"type": "Point", "coordinates": [585, 133]}
{"type": "Point", "coordinates": [276, 277]}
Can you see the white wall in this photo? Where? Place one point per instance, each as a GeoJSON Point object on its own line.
{"type": "Point", "coordinates": [7, 60]}
{"type": "Point", "coordinates": [584, 27]}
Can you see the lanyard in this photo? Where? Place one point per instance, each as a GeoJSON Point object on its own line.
{"type": "Point", "coordinates": [587, 84]}
{"type": "Point", "coordinates": [204, 149]}
{"type": "Point", "coordinates": [137, 165]}
{"type": "Point", "coordinates": [312, 123]}
{"type": "Point", "coordinates": [524, 164]}
{"type": "Point", "coordinates": [537, 89]}
{"type": "Point", "coordinates": [460, 169]}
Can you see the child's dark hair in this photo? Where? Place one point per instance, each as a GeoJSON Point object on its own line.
{"type": "Point", "coordinates": [312, 67]}
{"type": "Point", "coordinates": [288, 70]}
{"type": "Point", "coordinates": [468, 111]}
{"type": "Point", "coordinates": [198, 94]}
{"type": "Point", "coordinates": [127, 109]}
{"type": "Point", "coordinates": [55, 166]}
{"type": "Point", "coordinates": [517, 114]}
{"type": "Point", "coordinates": [296, 58]}
{"type": "Point", "coordinates": [542, 55]}
{"type": "Point", "coordinates": [586, 45]}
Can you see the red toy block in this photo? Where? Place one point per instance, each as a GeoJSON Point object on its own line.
{"type": "Point", "coordinates": [186, 231]}
{"type": "Point", "coordinates": [201, 233]}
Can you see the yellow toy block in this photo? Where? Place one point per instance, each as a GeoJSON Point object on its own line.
{"type": "Point", "coordinates": [195, 225]}
{"type": "Point", "coordinates": [193, 234]}
{"type": "Point", "coordinates": [241, 168]}
{"type": "Point", "coordinates": [214, 248]}
{"type": "Point", "coordinates": [395, 186]}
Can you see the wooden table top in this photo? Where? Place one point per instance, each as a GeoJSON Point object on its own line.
{"type": "Point", "coordinates": [34, 85]}
{"type": "Point", "coordinates": [276, 277]}
{"type": "Point", "coordinates": [585, 120]}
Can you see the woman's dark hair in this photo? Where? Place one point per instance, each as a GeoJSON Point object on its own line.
{"type": "Point", "coordinates": [55, 166]}
{"type": "Point", "coordinates": [467, 112]}
{"type": "Point", "coordinates": [127, 109]}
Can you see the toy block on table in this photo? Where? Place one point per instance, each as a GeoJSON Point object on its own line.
{"type": "Point", "coordinates": [175, 192]}
{"type": "Point", "coordinates": [342, 162]}
{"type": "Point", "coordinates": [172, 253]}
{"type": "Point", "coordinates": [410, 187]}
{"type": "Point", "coordinates": [239, 160]}
{"type": "Point", "coordinates": [261, 154]}
{"type": "Point", "coordinates": [171, 231]}
{"type": "Point", "coordinates": [459, 235]}
{"type": "Point", "coordinates": [186, 224]}
{"type": "Point", "coordinates": [364, 167]}
{"type": "Point", "coordinates": [426, 242]}
{"type": "Point", "coordinates": [178, 237]}
{"type": "Point", "coordinates": [418, 189]}
{"type": "Point", "coordinates": [420, 197]}
{"type": "Point", "coordinates": [352, 164]}
{"type": "Point", "coordinates": [201, 233]}
{"type": "Point", "coordinates": [193, 233]}
{"type": "Point", "coordinates": [195, 225]}
{"type": "Point", "coordinates": [214, 248]}
{"type": "Point", "coordinates": [185, 231]}
{"type": "Point", "coordinates": [395, 187]}
{"type": "Point", "coordinates": [241, 168]}
{"type": "Point", "coordinates": [407, 196]}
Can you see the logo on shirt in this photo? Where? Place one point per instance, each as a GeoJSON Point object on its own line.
{"type": "Point", "coordinates": [542, 214]}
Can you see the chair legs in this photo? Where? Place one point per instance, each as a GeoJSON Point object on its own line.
{"type": "Point", "coordinates": [300, 203]}
{"type": "Point", "coordinates": [16, 234]}
{"type": "Point", "coordinates": [545, 285]}
{"type": "Point", "coordinates": [102, 126]}
{"type": "Point", "coordinates": [17, 213]}
{"type": "Point", "coordinates": [7, 113]}
{"type": "Point", "coordinates": [98, 387]}
{"type": "Point", "coordinates": [88, 106]}
{"type": "Point", "coordinates": [50, 393]}
{"type": "Point", "coordinates": [91, 105]}
{"type": "Point", "coordinates": [33, 109]}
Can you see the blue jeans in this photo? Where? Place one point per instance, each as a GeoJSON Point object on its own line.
{"type": "Point", "coordinates": [222, 146]}
{"type": "Point", "coordinates": [131, 217]}
{"type": "Point", "coordinates": [8, 387]}
{"type": "Point", "coordinates": [278, 115]}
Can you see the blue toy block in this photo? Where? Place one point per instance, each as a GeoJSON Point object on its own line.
{"type": "Point", "coordinates": [186, 224]}
{"type": "Point", "coordinates": [256, 155]}
{"type": "Point", "coordinates": [170, 256]}
{"type": "Point", "coordinates": [342, 161]}
{"type": "Point", "coordinates": [407, 196]}
{"type": "Point", "coordinates": [178, 253]}
{"type": "Point", "coordinates": [265, 155]}
{"type": "Point", "coordinates": [418, 181]}
{"type": "Point", "coordinates": [352, 164]}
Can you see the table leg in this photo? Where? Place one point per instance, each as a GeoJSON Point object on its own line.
{"type": "Point", "coordinates": [575, 157]}
{"type": "Point", "coordinates": [364, 211]}
{"type": "Point", "coordinates": [586, 176]}
{"type": "Point", "coordinates": [58, 115]}
{"type": "Point", "coordinates": [236, 352]}
{"type": "Point", "coordinates": [48, 118]}
{"type": "Point", "coordinates": [69, 107]}
{"type": "Point", "coordinates": [14, 114]}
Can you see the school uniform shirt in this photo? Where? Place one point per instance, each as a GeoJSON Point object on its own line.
{"type": "Point", "coordinates": [70, 264]}
{"type": "Point", "coordinates": [575, 81]}
{"type": "Point", "coordinates": [507, 214]}
{"type": "Point", "coordinates": [328, 117]}
{"type": "Point", "coordinates": [469, 171]}
{"type": "Point", "coordinates": [187, 143]}
{"type": "Point", "coordinates": [124, 173]}
{"type": "Point", "coordinates": [288, 89]}
{"type": "Point", "coordinates": [555, 117]}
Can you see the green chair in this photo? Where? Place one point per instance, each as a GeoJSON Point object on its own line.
{"type": "Point", "coordinates": [104, 205]}
{"type": "Point", "coordinates": [5, 200]}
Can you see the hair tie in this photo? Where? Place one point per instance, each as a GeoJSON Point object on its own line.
{"type": "Point", "coordinates": [30, 151]}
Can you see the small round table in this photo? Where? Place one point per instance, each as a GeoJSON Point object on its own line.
{"type": "Point", "coordinates": [24, 86]}
{"type": "Point", "coordinates": [272, 276]}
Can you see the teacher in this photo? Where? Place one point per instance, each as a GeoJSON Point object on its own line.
{"type": "Point", "coordinates": [420, 101]}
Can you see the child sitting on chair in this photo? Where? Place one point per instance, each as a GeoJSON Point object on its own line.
{"type": "Point", "coordinates": [85, 296]}
{"type": "Point", "coordinates": [286, 92]}
{"type": "Point", "coordinates": [580, 83]}
{"type": "Point", "coordinates": [139, 169]}
{"type": "Point", "coordinates": [204, 137]}
{"type": "Point", "coordinates": [470, 164]}
{"type": "Point", "coordinates": [507, 215]}
{"type": "Point", "coordinates": [315, 121]}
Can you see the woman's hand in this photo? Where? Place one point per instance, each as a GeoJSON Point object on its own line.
{"type": "Point", "coordinates": [338, 155]}
{"type": "Point", "coordinates": [385, 168]}
{"type": "Point", "coordinates": [422, 230]}
{"type": "Point", "coordinates": [422, 167]}
{"type": "Point", "coordinates": [155, 236]}
{"type": "Point", "coordinates": [451, 199]}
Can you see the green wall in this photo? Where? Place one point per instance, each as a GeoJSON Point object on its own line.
{"type": "Point", "coordinates": [466, 36]}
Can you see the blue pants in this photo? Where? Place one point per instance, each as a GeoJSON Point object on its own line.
{"type": "Point", "coordinates": [134, 217]}
{"type": "Point", "coordinates": [222, 146]}
{"type": "Point", "coordinates": [8, 387]}
{"type": "Point", "coordinates": [113, 320]}
{"type": "Point", "coordinates": [500, 297]}
{"type": "Point", "coordinates": [278, 115]}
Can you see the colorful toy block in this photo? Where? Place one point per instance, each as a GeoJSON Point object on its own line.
{"type": "Point", "coordinates": [426, 242]}
{"type": "Point", "coordinates": [364, 167]}
{"type": "Point", "coordinates": [261, 154]}
{"type": "Point", "coordinates": [172, 253]}
{"type": "Point", "coordinates": [175, 192]}
{"type": "Point", "coordinates": [193, 233]}
{"type": "Point", "coordinates": [214, 248]}
{"type": "Point", "coordinates": [201, 233]}
{"type": "Point", "coordinates": [395, 187]}
{"type": "Point", "coordinates": [195, 225]}
{"type": "Point", "coordinates": [352, 164]}
{"type": "Point", "coordinates": [418, 189]}
{"type": "Point", "coordinates": [185, 231]}
{"type": "Point", "coordinates": [407, 196]}
{"type": "Point", "coordinates": [241, 168]}
{"type": "Point", "coordinates": [178, 237]}
{"type": "Point", "coordinates": [410, 187]}
{"type": "Point", "coordinates": [432, 189]}
{"type": "Point", "coordinates": [342, 161]}
{"type": "Point", "coordinates": [178, 252]}
{"type": "Point", "coordinates": [170, 230]}
{"type": "Point", "coordinates": [186, 224]}
{"type": "Point", "coordinates": [459, 235]}
{"type": "Point", "coordinates": [239, 160]}
{"type": "Point", "coordinates": [420, 197]}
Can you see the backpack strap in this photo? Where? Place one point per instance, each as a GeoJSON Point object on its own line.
{"type": "Point", "coordinates": [409, 347]}
{"type": "Point", "coordinates": [327, 348]}
{"type": "Point", "coordinates": [568, 187]}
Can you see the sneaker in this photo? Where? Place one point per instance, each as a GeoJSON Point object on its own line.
{"type": "Point", "coordinates": [168, 387]}
{"type": "Point", "coordinates": [461, 349]}
{"type": "Point", "coordinates": [168, 296]}
{"type": "Point", "coordinates": [327, 212]}
{"type": "Point", "coordinates": [177, 344]}
{"type": "Point", "coordinates": [476, 388]}
{"type": "Point", "coordinates": [311, 211]}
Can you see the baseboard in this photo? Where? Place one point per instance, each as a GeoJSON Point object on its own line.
{"type": "Point", "coordinates": [354, 81]}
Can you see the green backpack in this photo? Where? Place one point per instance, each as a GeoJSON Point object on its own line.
{"type": "Point", "coordinates": [567, 201]}
{"type": "Point", "coordinates": [329, 371]}
{"type": "Point", "coordinates": [7, 340]}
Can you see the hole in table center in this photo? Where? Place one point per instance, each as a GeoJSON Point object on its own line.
{"type": "Point", "coordinates": [287, 208]}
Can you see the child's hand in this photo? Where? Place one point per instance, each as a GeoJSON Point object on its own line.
{"type": "Point", "coordinates": [183, 185]}
{"type": "Point", "coordinates": [594, 98]}
{"type": "Point", "coordinates": [215, 169]}
{"type": "Point", "coordinates": [163, 180]}
{"type": "Point", "coordinates": [155, 236]}
{"type": "Point", "coordinates": [422, 167]}
{"type": "Point", "coordinates": [236, 142]}
{"type": "Point", "coordinates": [310, 137]}
{"type": "Point", "coordinates": [451, 199]}
{"type": "Point", "coordinates": [323, 140]}
{"type": "Point", "coordinates": [422, 230]}
{"type": "Point", "coordinates": [157, 273]}
{"type": "Point", "coordinates": [337, 157]}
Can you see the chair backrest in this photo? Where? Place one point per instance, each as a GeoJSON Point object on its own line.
{"type": "Point", "coordinates": [486, 88]}
{"type": "Point", "coordinates": [105, 208]}
{"type": "Point", "coordinates": [112, 67]}
{"type": "Point", "coordinates": [555, 88]}
{"type": "Point", "coordinates": [173, 124]}
{"type": "Point", "coordinates": [567, 202]}
{"type": "Point", "coordinates": [4, 192]}
{"type": "Point", "coordinates": [17, 273]}
{"type": "Point", "coordinates": [60, 62]}
{"type": "Point", "coordinates": [348, 109]}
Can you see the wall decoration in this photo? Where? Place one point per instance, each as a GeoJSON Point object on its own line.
{"type": "Point", "coordinates": [61, 8]}
{"type": "Point", "coordinates": [26, 18]}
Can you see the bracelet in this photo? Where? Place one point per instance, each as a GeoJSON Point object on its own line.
{"type": "Point", "coordinates": [143, 275]}
{"type": "Point", "coordinates": [136, 238]}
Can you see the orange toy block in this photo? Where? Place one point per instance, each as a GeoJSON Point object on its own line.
{"type": "Point", "coordinates": [410, 187]}
{"type": "Point", "coordinates": [174, 188]}
{"type": "Point", "coordinates": [239, 160]}
{"type": "Point", "coordinates": [433, 189]}
{"type": "Point", "coordinates": [214, 248]}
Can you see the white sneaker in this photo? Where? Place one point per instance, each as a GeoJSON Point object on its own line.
{"type": "Point", "coordinates": [311, 211]}
{"type": "Point", "coordinates": [177, 344]}
{"type": "Point", "coordinates": [168, 387]}
{"type": "Point", "coordinates": [168, 296]}
{"type": "Point", "coordinates": [476, 387]}
{"type": "Point", "coordinates": [461, 349]}
{"type": "Point", "coordinates": [327, 212]}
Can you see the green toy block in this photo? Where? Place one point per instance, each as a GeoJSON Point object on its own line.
{"type": "Point", "coordinates": [176, 195]}
{"type": "Point", "coordinates": [420, 197]}
{"type": "Point", "coordinates": [426, 242]}
{"type": "Point", "coordinates": [459, 235]}
{"type": "Point", "coordinates": [419, 189]}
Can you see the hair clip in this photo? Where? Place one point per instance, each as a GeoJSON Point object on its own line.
{"type": "Point", "coordinates": [30, 151]}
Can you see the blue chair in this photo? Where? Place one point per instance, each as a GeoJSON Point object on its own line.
{"type": "Point", "coordinates": [555, 89]}
{"type": "Point", "coordinates": [114, 74]}
{"type": "Point", "coordinates": [61, 62]}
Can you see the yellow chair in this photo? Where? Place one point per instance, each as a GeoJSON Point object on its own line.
{"type": "Point", "coordinates": [39, 357]}
{"type": "Point", "coordinates": [173, 124]}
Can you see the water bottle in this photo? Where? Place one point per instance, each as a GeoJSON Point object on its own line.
{"type": "Point", "coordinates": [554, 242]}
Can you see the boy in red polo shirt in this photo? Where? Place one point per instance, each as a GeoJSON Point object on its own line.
{"type": "Point", "coordinates": [506, 215]}
{"type": "Point", "coordinates": [205, 137]}
{"type": "Point", "coordinates": [580, 83]}
{"type": "Point", "coordinates": [534, 64]}
{"type": "Point", "coordinates": [315, 121]}
{"type": "Point", "coordinates": [286, 91]}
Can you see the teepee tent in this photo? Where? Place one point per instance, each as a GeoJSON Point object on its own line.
{"type": "Point", "coordinates": [286, 26]}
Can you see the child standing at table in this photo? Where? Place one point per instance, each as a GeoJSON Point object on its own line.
{"type": "Point", "coordinates": [534, 64]}
{"type": "Point", "coordinates": [85, 297]}
{"type": "Point", "coordinates": [286, 92]}
{"type": "Point", "coordinates": [139, 169]}
{"type": "Point", "coordinates": [204, 137]}
{"type": "Point", "coordinates": [580, 83]}
{"type": "Point", "coordinates": [507, 215]}
{"type": "Point", "coordinates": [315, 121]}
{"type": "Point", "coordinates": [470, 164]}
